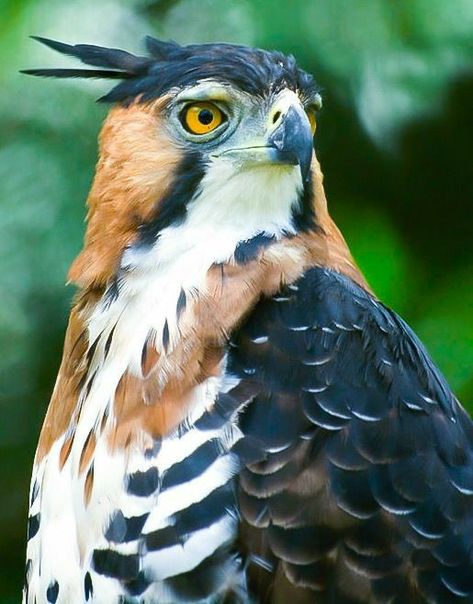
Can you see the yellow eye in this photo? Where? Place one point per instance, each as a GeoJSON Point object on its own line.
{"type": "Point", "coordinates": [312, 120]}
{"type": "Point", "coordinates": [202, 117]}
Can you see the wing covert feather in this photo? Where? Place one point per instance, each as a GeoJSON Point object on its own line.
{"type": "Point", "coordinates": [359, 486]}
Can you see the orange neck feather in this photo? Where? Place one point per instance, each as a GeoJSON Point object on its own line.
{"type": "Point", "coordinates": [136, 166]}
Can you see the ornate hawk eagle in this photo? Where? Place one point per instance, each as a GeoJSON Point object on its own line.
{"type": "Point", "coordinates": [237, 417]}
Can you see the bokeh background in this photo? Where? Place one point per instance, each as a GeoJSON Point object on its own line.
{"type": "Point", "coordinates": [395, 140]}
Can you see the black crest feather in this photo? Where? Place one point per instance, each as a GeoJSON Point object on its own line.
{"type": "Point", "coordinates": [79, 73]}
{"type": "Point", "coordinates": [170, 66]}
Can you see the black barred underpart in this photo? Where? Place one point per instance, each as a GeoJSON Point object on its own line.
{"type": "Point", "coordinates": [209, 577]}
{"type": "Point", "coordinates": [170, 65]}
{"type": "Point", "coordinates": [198, 516]}
{"type": "Point", "coordinates": [181, 303]}
{"type": "Point", "coordinates": [210, 510]}
{"type": "Point", "coordinates": [52, 592]}
{"type": "Point", "coordinates": [219, 414]}
{"type": "Point", "coordinates": [34, 492]}
{"type": "Point", "coordinates": [88, 587]}
{"type": "Point", "coordinates": [138, 585]}
{"type": "Point", "coordinates": [136, 553]}
{"type": "Point", "coordinates": [27, 578]}
{"type": "Point", "coordinates": [112, 293]}
{"type": "Point", "coordinates": [113, 564]}
{"type": "Point", "coordinates": [359, 478]}
{"type": "Point", "coordinates": [108, 342]}
{"type": "Point", "coordinates": [143, 484]}
{"type": "Point", "coordinates": [163, 538]}
{"type": "Point", "coordinates": [154, 450]}
{"type": "Point", "coordinates": [33, 526]}
{"type": "Point", "coordinates": [122, 529]}
{"type": "Point", "coordinates": [165, 336]}
{"type": "Point", "coordinates": [193, 466]}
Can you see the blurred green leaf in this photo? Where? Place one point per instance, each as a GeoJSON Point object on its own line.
{"type": "Point", "coordinates": [379, 251]}
{"type": "Point", "coordinates": [447, 330]}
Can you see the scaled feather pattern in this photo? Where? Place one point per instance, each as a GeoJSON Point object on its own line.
{"type": "Point", "coordinates": [237, 417]}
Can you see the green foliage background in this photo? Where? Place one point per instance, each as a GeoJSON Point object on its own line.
{"type": "Point", "coordinates": [395, 140]}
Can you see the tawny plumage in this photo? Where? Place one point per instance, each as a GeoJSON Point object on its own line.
{"type": "Point", "coordinates": [236, 417]}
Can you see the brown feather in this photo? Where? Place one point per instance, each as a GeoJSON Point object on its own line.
{"type": "Point", "coordinates": [65, 451]}
{"type": "Point", "coordinates": [144, 405]}
{"type": "Point", "coordinates": [87, 451]}
{"type": "Point", "coordinates": [88, 485]}
{"type": "Point", "coordinates": [70, 379]}
{"type": "Point", "coordinates": [136, 165]}
{"type": "Point", "coordinates": [149, 355]}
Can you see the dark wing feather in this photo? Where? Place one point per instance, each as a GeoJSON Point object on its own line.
{"type": "Point", "coordinates": [360, 481]}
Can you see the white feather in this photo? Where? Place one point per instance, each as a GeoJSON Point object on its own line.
{"type": "Point", "coordinates": [229, 208]}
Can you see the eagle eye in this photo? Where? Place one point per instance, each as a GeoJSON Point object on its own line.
{"type": "Point", "coordinates": [202, 117]}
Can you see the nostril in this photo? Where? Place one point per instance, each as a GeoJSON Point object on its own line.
{"type": "Point", "coordinates": [276, 116]}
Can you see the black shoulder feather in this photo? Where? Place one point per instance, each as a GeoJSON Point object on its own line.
{"type": "Point", "coordinates": [358, 483]}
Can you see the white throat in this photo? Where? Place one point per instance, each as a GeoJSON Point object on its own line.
{"type": "Point", "coordinates": [228, 208]}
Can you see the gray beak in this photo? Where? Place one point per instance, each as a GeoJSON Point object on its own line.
{"type": "Point", "coordinates": [292, 142]}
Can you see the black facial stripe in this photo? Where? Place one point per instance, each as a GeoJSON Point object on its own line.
{"type": "Point", "coordinates": [303, 213]}
{"type": "Point", "coordinates": [173, 208]}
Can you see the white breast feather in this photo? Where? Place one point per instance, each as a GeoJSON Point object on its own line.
{"type": "Point", "coordinates": [229, 208]}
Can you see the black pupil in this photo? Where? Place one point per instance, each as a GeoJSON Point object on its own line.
{"type": "Point", "coordinates": [206, 117]}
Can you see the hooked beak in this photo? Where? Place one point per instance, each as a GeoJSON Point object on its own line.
{"type": "Point", "coordinates": [291, 142]}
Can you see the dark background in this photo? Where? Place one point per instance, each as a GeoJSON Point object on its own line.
{"type": "Point", "coordinates": [395, 141]}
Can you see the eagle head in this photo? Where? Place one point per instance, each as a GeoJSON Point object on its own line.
{"type": "Point", "coordinates": [215, 136]}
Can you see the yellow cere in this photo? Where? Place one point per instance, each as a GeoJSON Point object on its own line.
{"type": "Point", "coordinates": [312, 120]}
{"type": "Point", "coordinates": [202, 117]}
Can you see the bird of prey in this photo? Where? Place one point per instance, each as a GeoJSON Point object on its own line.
{"type": "Point", "coordinates": [237, 417]}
